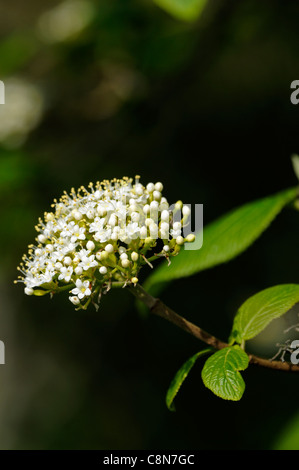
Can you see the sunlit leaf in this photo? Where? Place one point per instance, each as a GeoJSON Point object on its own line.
{"type": "Point", "coordinates": [221, 373]}
{"type": "Point", "coordinates": [260, 309]}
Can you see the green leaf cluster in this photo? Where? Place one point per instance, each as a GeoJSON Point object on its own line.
{"type": "Point", "coordinates": [225, 239]}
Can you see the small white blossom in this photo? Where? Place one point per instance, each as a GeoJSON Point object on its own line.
{"type": "Point", "coordinates": [65, 274]}
{"type": "Point", "coordinates": [77, 233]}
{"type": "Point", "coordinates": [82, 289]}
{"type": "Point", "coordinates": [88, 262]}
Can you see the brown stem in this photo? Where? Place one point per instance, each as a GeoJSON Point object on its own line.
{"type": "Point", "coordinates": [157, 307]}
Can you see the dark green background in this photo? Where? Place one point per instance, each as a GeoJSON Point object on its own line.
{"type": "Point", "coordinates": [207, 112]}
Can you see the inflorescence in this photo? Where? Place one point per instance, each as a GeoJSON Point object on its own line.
{"type": "Point", "coordinates": [101, 237]}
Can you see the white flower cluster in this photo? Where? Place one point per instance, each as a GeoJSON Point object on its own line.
{"type": "Point", "coordinates": [100, 237]}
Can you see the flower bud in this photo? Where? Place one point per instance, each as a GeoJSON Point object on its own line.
{"type": "Point", "coordinates": [164, 226]}
{"type": "Point", "coordinates": [90, 245]}
{"type": "Point", "coordinates": [135, 216]}
{"type": "Point", "coordinates": [178, 205]}
{"type": "Point", "coordinates": [186, 210]}
{"type": "Point", "coordinates": [138, 189]}
{"type": "Point", "coordinates": [104, 255]}
{"type": "Point", "coordinates": [77, 215]}
{"type": "Point", "coordinates": [143, 232]}
{"type": "Point", "coordinates": [179, 240]}
{"type": "Point", "coordinates": [41, 238]}
{"type": "Point", "coordinates": [165, 216]}
{"type": "Point", "coordinates": [150, 187]}
{"type": "Point", "coordinates": [101, 211]}
{"type": "Point", "coordinates": [177, 226]}
{"type": "Point", "coordinates": [75, 300]}
{"type": "Point", "coordinates": [149, 222]}
{"type": "Point", "coordinates": [28, 291]}
{"type": "Point", "coordinates": [190, 238]}
{"type": "Point", "coordinates": [125, 263]}
{"type": "Point", "coordinates": [146, 209]}
{"type": "Point", "coordinates": [49, 216]}
{"type": "Point", "coordinates": [157, 195]}
{"type": "Point", "coordinates": [114, 236]}
{"type": "Point", "coordinates": [154, 205]}
{"type": "Point", "coordinates": [159, 187]}
{"type": "Point", "coordinates": [90, 214]}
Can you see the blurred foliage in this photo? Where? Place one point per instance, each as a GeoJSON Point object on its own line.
{"type": "Point", "coordinates": [202, 106]}
{"type": "Point", "coordinates": [183, 9]}
{"type": "Point", "coordinates": [289, 437]}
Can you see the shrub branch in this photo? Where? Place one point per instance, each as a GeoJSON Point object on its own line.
{"type": "Point", "coordinates": [157, 307]}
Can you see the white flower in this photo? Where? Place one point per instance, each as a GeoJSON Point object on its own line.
{"type": "Point", "coordinates": [65, 273]}
{"type": "Point", "coordinates": [97, 225]}
{"type": "Point", "coordinates": [77, 233]}
{"type": "Point", "coordinates": [103, 234]}
{"type": "Point", "coordinates": [133, 230]}
{"type": "Point", "coordinates": [82, 289]}
{"type": "Point", "coordinates": [83, 254]}
{"type": "Point", "coordinates": [88, 262]}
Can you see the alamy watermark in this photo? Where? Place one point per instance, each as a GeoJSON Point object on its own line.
{"type": "Point", "coordinates": [295, 354]}
{"type": "Point", "coordinates": [2, 353]}
{"type": "Point", "coordinates": [291, 347]}
{"type": "Point", "coordinates": [2, 92]}
{"type": "Point", "coordinates": [295, 94]}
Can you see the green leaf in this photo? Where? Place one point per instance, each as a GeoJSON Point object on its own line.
{"type": "Point", "coordinates": [224, 239]}
{"type": "Point", "coordinates": [187, 10]}
{"type": "Point", "coordinates": [221, 373]}
{"type": "Point", "coordinates": [259, 310]}
{"type": "Point", "coordinates": [180, 376]}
